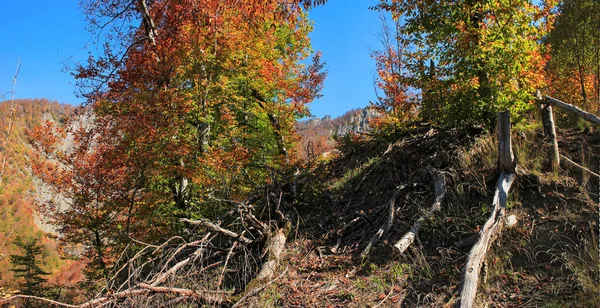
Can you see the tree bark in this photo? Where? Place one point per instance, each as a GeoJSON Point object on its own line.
{"type": "Point", "coordinates": [505, 153]}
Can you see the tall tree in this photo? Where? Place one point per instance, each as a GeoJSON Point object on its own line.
{"type": "Point", "coordinates": [574, 66]}
{"type": "Point", "coordinates": [195, 105]}
{"type": "Point", "coordinates": [470, 59]}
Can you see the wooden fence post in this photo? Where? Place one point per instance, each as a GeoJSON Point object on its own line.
{"type": "Point", "coordinates": [493, 226]}
{"type": "Point", "coordinates": [505, 154]}
{"type": "Point", "coordinates": [549, 128]}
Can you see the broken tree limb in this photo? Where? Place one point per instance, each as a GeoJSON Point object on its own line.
{"type": "Point", "coordinates": [216, 228]}
{"type": "Point", "coordinates": [209, 297]}
{"type": "Point", "coordinates": [573, 109]}
{"type": "Point", "coordinates": [274, 249]}
{"type": "Point", "coordinates": [580, 166]}
{"type": "Point", "coordinates": [164, 275]}
{"type": "Point", "coordinates": [439, 186]}
{"type": "Point", "coordinates": [256, 290]}
{"type": "Point", "coordinates": [487, 235]}
{"type": "Point", "coordinates": [384, 228]}
{"type": "Point", "coordinates": [14, 298]}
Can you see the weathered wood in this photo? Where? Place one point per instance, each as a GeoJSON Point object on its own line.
{"type": "Point", "coordinates": [505, 153]}
{"type": "Point", "coordinates": [216, 228]}
{"type": "Point", "coordinates": [549, 129]}
{"type": "Point", "coordinates": [487, 235]}
{"type": "Point", "coordinates": [274, 249]}
{"type": "Point", "coordinates": [573, 109]}
{"type": "Point", "coordinates": [580, 166]}
{"type": "Point", "coordinates": [209, 297]}
{"type": "Point", "coordinates": [384, 228]}
{"type": "Point", "coordinates": [439, 187]}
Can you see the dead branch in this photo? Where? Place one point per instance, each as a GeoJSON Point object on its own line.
{"type": "Point", "coordinates": [216, 228]}
{"type": "Point", "coordinates": [487, 235]}
{"type": "Point", "coordinates": [257, 290]}
{"type": "Point", "coordinates": [41, 299]}
{"type": "Point", "coordinates": [274, 250]}
{"type": "Point", "coordinates": [182, 247]}
{"type": "Point", "coordinates": [162, 277]}
{"type": "Point", "coordinates": [506, 161]}
{"type": "Point", "coordinates": [384, 228]}
{"type": "Point", "coordinates": [580, 166]}
{"type": "Point", "coordinates": [139, 255]}
{"type": "Point", "coordinates": [210, 297]}
{"type": "Point", "coordinates": [439, 184]}
{"type": "Point", "coordinates": [225, 266]}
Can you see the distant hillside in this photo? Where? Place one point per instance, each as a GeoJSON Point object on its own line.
{"type": "Point", "coordinates": [317, 136]}
{"type": "Point", "coordinates": [18, 188]}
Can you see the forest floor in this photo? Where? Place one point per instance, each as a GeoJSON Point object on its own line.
{"type": "Point", "coordinates": [549, 258]}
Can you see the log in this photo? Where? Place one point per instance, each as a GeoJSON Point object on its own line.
{"type": "Point", "coordinates": [573, 109]}
{"type": "Point", "coordinates": [384, 228]}
{"type": "Point", "coordinates": [550, 129]}
{"type": "Point", "coordinates": [505, 153]}
{"type": "Point", "coordinates": [487, 235]}
{"type": "Point", "coordinates": [439, 187]}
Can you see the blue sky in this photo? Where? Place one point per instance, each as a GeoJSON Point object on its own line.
{"type": "Point", "coordinates": [48, 34]}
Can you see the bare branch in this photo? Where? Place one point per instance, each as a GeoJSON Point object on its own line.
{"type": "Point", "coordinates": [216, 228]}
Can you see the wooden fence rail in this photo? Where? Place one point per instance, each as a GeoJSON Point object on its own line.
{"type": "Point", "coordinates": [546, 103]}
{"type": "Point", "coordinates": [573, 109]}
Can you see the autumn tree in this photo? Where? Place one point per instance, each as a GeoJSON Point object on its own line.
{"type": "Point", "coordinates": [394, 100]}
{"type": "Point", "coordinates": [574, 66]}
{"type": "Point", "coordinates": [193, 104]}
{"type": "Point", "coordinates": [469, 59]}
